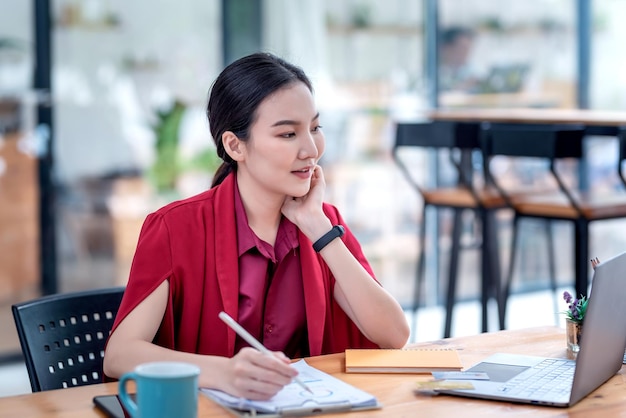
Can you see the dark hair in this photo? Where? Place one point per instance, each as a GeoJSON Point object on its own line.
{"type": "Point", "coordinates": [237, 93]}
{"type": "Point", "coordinates": [450, 35]}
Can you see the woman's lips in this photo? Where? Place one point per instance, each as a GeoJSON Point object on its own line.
{"type": "Point", "coordinates": [303, 174]}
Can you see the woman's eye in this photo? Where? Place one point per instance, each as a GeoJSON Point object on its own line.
{"type": "Point", "coordinates": [317, 128]}
{"type": "Point", "coordinates": [288, 135]}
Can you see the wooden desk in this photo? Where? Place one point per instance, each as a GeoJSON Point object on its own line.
{"type": "Point", "coordinates": [395, 392]}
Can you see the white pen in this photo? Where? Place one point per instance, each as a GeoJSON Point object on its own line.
{"type": "Point", "coordinates": [253, 341]}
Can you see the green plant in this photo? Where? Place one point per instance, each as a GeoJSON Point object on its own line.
{"type": "Point", "coordinates": [169, 163]}
{"type": "Point", "coordinates": [576, 309]}
{"type": "Point", "coordinates": [207, 160]}
{"type": "Point", "coordinates": [13, 43]}
{"type": "Point", "coordinates": [166, 167]}
{"type": "Point", "coordinates": [361, 15]}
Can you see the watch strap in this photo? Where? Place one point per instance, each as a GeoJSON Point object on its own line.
{"type": "Point", "coordinates": [336, 232]}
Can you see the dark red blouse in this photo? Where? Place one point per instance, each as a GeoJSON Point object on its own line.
{"type": "Point", "coordinates": [271, 295]}
{"type": "Point", "coordinates": [192, 243]}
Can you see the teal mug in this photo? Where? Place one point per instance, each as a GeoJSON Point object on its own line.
{"type": "Point", "coordinates": [164, 390]}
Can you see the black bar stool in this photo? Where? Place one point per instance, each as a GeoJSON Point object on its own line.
{"type": "Point", "coordinates": [459, 140]}
{"type": "Point", "coordinates": [555, 145]}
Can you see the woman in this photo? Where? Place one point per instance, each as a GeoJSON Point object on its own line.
{"type": "Point", "coordinates": [245, 247]}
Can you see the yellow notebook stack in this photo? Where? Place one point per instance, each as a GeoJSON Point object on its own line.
{"type": "Point", "coordinates": [401, 360]}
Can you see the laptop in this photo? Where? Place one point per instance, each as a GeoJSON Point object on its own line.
{"type": "Point", "coordinates": [600, 356]}
{"type": "Point", "coordinates": [504, 79]}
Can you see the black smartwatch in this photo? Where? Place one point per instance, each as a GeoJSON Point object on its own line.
{"type": "Point", "coordinates": [336, 232]}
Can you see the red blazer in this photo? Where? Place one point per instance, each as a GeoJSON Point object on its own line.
{"type": "Point", "coordinates": [192, 243]}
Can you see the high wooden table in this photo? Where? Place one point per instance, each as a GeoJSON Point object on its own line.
{"type": "Point", "coordinates": [597, 122]}
{"type": "Point", "coordinates": [395, 392]}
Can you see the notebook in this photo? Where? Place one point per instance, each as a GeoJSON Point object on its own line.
{"type": "Point", "coordinates": [401, 361]}
{"type": "Point", "coordinates": [330, 395]}
{"type": "Point", "coordinates": [600, 356]}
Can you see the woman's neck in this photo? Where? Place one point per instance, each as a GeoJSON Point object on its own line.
{"type": "Point", "coordinates": [262, 210]}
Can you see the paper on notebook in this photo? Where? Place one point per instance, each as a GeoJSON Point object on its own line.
{"type": "Point", "coordinates": [401, 360]}
{"type": "Point", "coordinates": [329, 395]}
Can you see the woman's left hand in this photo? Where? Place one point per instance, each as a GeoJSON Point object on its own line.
{"type": "Point", "coordinates": [306, 211]}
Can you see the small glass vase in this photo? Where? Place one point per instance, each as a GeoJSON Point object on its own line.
{"type": "Point", "coordinates": [573, 333]}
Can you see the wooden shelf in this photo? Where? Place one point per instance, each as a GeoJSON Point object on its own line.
{"type": "Point", "coordinates": [404, 30]}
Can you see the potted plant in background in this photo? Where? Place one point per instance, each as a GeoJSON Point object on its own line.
{"type": "Point", "coordinates": [184, 161]}
{"type": "Point", "coordinates": [166, 167]}
{"type": "Point", "coordinates": [171, 163]}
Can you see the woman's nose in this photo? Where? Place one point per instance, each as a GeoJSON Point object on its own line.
{"type": "Point", "coordinates": [309, 148]}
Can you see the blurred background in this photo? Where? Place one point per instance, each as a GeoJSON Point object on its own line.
{"type": "Point", "coordinates": [102, 119]}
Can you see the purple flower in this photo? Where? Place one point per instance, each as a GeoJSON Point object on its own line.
{"type": "Point", "coordinates": [567, 297]}
{"type": "Point", "coordinates": [576, 307]}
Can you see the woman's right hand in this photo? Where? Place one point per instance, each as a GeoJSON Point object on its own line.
{"type": "Point", "coordinates": [253, 375]}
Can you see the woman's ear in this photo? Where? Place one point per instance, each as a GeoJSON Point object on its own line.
{"type": "Point", "coordinates": [232, 145]}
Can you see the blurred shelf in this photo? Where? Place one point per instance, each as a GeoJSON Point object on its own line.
{"type": "Point", "coordinates": [394, 30]}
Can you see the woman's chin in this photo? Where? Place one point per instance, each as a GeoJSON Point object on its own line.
{"type": "Point", "coordinates": [300, 192]}
{"type": "Point", "coordinates": [297, 195]}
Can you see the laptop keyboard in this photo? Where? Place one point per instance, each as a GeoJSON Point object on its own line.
{"type": "Point", "coordinates": [552, 378]}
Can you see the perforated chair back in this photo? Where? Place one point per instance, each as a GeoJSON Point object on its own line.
{"type": "Point", "coordinates": [63, 336]}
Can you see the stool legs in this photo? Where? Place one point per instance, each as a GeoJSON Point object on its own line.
{"type": "Point", "coordinates": [452, 272]}
{"type": "Point", "coordinates": [490, 261]}
{"type": "Point", "coordinates": [551, 267]}
{"type": "Point", "coordinates": [549, 235]}
{"type": "Point", "coordinates": [581, 255]}
{"type": "Point", "coordinates": [457, 226]}
{"type": "Point", "coordinates": [420, 269]}
{"type": "Point", "coordinates": [509, 276]}
{"type": "Point", "coordinates": [490, 270]}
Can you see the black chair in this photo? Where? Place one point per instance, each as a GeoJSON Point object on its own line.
{"type": "Point", "coordinates": [63, 336]}
{"type": "Point", "coordinates": [567, 201]}
{"type": "Point", "coordinates": [459, 140]}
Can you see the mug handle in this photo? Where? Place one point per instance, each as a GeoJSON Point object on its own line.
{"type": "Point", "coordinates": [124, 397]}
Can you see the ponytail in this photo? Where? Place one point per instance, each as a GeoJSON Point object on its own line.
{"type": "Point", "coordinates": [222, 172]}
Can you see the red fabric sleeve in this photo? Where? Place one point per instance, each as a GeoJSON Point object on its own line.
{"type": "Point", "coordinates": [152, 264]}
{"type": "Point", "coordinates": [339, 332]}
{"type": "Point", "coordinates": [192, 244]}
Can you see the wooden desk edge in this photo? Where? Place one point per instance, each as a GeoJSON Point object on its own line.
{"type": "Point", "coordinates": [395, 392]}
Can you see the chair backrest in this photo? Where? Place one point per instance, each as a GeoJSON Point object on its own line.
{"type": "Point", "coordinates": [63, 336]}
{"type": "Point", "coordinates": [439, 135]}
{"type": "Point", "coordinates": [547, 142]}
{"type": "Point", "coordinates": [539, 141]}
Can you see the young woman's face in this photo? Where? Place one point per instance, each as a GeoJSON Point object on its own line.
{"type": "Point", "coordinates": [285, 142]}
